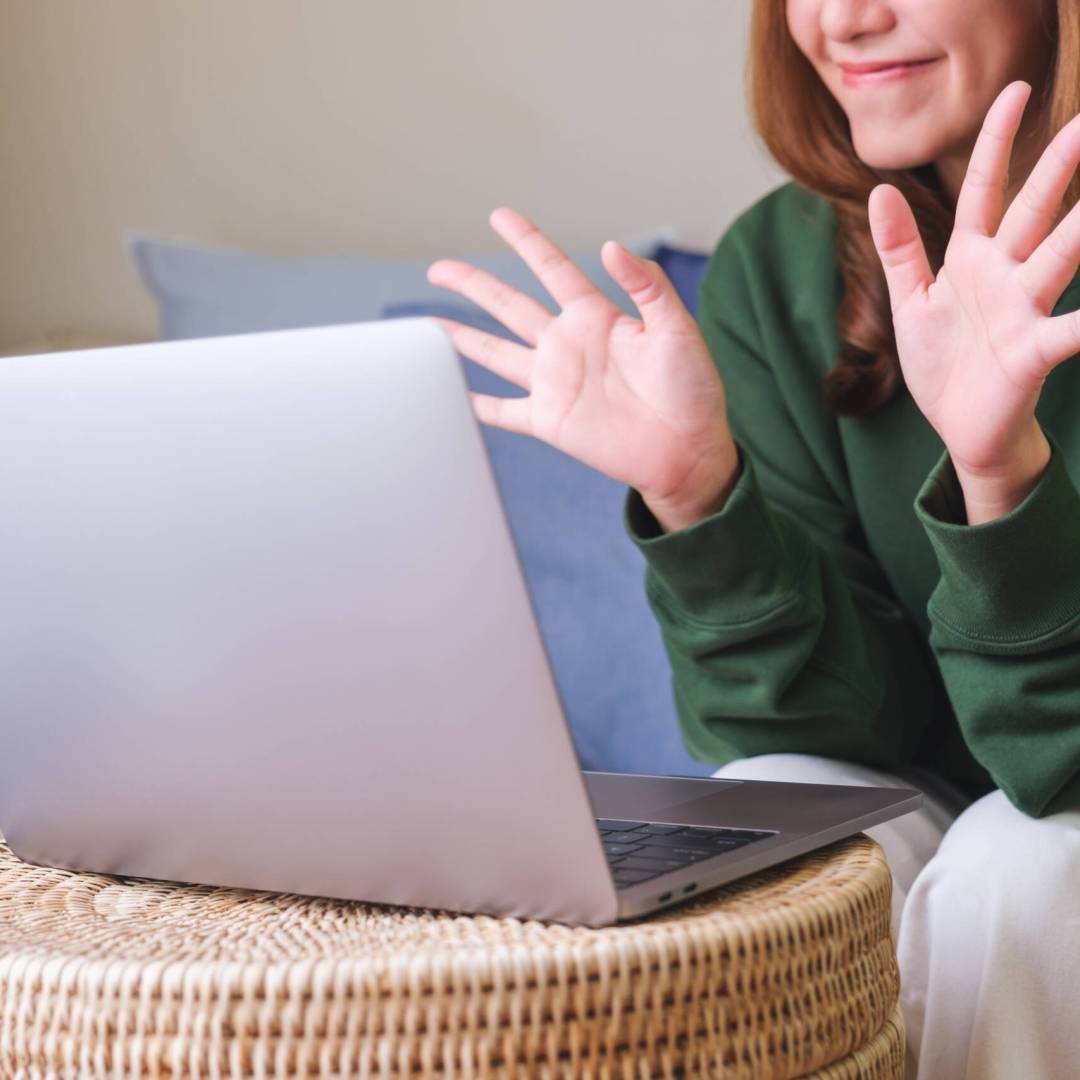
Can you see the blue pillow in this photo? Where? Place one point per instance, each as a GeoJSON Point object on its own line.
{"type": "Point", "coordinates": [585, 578]}
{"type": "Point", "coordinates": [686, 269]}
{"type": "Point", "coordinates": [204, 291]}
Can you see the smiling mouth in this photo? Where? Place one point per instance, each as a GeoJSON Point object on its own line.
{"type": "Point", "coordinates": [874, 75]}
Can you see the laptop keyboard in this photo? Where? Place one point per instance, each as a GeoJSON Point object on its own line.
{"type": "Point", "coordinates": [639, 850]}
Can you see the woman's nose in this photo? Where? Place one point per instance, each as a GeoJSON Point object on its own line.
{"type": "Point", "coordinates": [844, 20]}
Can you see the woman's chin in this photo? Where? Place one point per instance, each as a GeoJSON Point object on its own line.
{"type": "Point", "coordinates": [889, 157]}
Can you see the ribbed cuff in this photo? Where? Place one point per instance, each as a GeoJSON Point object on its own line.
{"type": "Point", "coordinates": [1008, 581]}
{"type": "Point", "coordinates": [733, 567]}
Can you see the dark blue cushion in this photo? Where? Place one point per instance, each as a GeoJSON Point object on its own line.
{"type": "Point", "coordinates": [686, 269]}
{"type": "Point", "coordinates": [585, 577]}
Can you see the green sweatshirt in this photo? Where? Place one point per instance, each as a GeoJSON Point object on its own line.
{"type": "Point", "coordinates": [839, 604]}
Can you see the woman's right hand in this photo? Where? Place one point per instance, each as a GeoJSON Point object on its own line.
{"type": "Point", "coordinates": [638, 399]}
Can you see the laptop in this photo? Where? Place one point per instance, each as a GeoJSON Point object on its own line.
{"type": "Point", "coordinates": [264, 626]}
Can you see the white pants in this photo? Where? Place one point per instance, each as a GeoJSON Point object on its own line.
{"type": "Point", "coordinates": [986, 916]}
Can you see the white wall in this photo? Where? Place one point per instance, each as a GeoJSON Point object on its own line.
{"type": "Point", "coordinates": [389, 127]}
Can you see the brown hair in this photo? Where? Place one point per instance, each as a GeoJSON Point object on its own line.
{"type": "Point", "coordinates": [807, 133]}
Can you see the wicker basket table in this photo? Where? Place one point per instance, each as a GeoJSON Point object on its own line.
{"type": "Point", "coordinates": [789, 973]}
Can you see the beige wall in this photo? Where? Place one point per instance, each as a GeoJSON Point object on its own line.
{"type": "Point", "coordinates": [388, 127]}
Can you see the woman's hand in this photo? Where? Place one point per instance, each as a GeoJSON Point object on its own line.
{"type": "Point", "coordinates": [977, 342]}
{"type": "Point", "coordinates": [639, 400]}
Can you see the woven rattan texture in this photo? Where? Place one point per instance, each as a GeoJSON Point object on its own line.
{"type": "Point", "coordinates": [882, 1058]}
{"type": "Point", "coordinates": [778, 975]}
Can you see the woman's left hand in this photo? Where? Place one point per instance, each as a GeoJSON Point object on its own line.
{"type": "Point", "coordinates": [976, 343]}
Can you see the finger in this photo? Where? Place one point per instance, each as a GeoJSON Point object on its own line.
{"type": "Point", "coordinates": [520, 313]}
{"type": "Point", "coordinates": [510, 414]}
{"type": "Point", "coordinates": [982, 195]}
{"type": "Point", "coordinates": [1052, 265]}
{"type": "Point", "coordinates": [1058, 338]}
{"type": "Point", "coordinates": [899, 245]}
{"type": "Point", "coordinates": [1033, 212]}
{"type": "Point", "coordinates": [512, 362]}
{"type": "Point", "coordinates": [648, 286]}
{"type": "Point", "coordinates": [558, 273]}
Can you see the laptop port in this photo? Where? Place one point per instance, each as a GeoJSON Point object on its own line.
{"type": "Point", "coordinates": [663, 898]}
{"type": "Point", "coordinates": [691, 887]}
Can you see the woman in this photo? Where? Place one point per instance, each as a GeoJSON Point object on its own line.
{"type": "Point", "coordinates": [851, 482]}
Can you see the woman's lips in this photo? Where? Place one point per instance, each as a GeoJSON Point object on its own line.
{"type": "Point", "coordinates": [857, 74]}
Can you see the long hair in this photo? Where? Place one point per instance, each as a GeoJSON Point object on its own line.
{"type": "Point", "coordinates": [807, 133]}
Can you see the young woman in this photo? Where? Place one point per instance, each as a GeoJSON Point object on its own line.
{"type": "Point", "coordinates": [851, 479]}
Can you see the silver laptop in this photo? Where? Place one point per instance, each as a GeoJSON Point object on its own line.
{"type": "Point", "coordinates": [263, 625]}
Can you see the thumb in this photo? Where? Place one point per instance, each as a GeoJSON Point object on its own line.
{"type": "Point", "coordinates": [647, 285]}
{"type": "Point", "coordinates": [899, 245]}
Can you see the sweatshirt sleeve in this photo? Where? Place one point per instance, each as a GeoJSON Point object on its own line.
{"type": "Point", "coordinates": [1005, 627]}
{"type": "Point", "coordinates": [781, 630]}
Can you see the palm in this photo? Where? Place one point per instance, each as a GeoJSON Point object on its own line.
{"type": "Point", "coordinates": [976, 343]}
{"type": "Point", "coordinates": [968, 352]}
{"type": "Point", "coordinates": [638, 399]}
{"type": "Point", "coordinates": [633, 404]}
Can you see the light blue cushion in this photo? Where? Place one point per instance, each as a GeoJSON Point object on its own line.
{"type": "Point", "coordinates": [585, 578]}
{"type": "Point", "coordinates": [203, 291]}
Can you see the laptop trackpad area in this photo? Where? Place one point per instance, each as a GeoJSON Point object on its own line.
{"type": "Point", "coordinates": [647, 798]}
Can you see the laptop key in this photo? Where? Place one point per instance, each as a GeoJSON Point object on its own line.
{"type": "Point", "coordinates": [744, 834]}
{"type": "Point", "coordinates": [679, 841]}
{"type": "Point", "coordinates": [620, 849]}
{"type": "Point", "coordinates": [636, 862]}
{"type": "Point", "coordinates": [700, 834]}
{"type": "Point", "coordinates": [716, 841]}
{"type": "Point", "coordinates": [683, 856]}
{"type": "Point", "coordinates": [632, 877]}
{"type": "Point", "coordinates": [608, 825]}
{"type": "Point", "coordinates": [634, 836]}
{"type": "Point", "coordinates": [715, 836]}
{"type": "Point", "coordinates": [723, 844]}
{"type": "Point", "coordinates": [718, 846]}
{"type": "Point", "coordinates": [660, 830]}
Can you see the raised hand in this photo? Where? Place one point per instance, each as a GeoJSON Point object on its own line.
{"type": "Point", "coordinates": [976, 343]}
{"type": "Point", "coordinates": [637, 399]}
